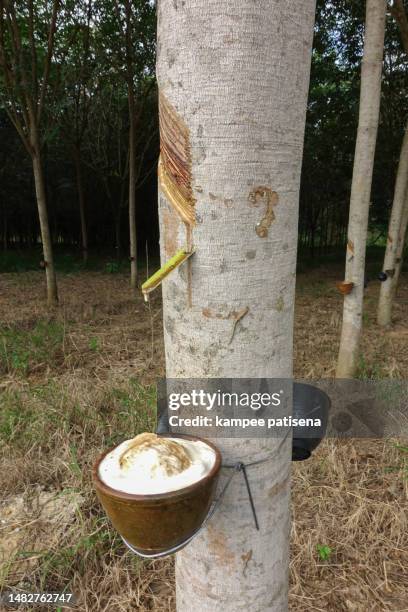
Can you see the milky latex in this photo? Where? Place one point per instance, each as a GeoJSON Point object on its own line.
{"type": "Point", "coordinates": [149, 464]}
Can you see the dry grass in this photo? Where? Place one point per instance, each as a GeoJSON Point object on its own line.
{"type": "Point", "coordinates": [317, 329]}
{"type": "Point", "coordinates": [346, 499]}
{"type": "Point", "coordinates": [59, 410]}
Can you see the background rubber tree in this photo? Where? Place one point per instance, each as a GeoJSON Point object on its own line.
{"type": "Point", "coordinates": [330, 136]}
{"type": "Point", "coordinates": [399, 214]}
{"type": "Point", "coordinates": [370, 92]}
{"type": "Point", "coordinates": [77, 87]}
{"type": "Point", "coordinates": [129, 28]}
{"type": "Point", "coordinates": [396, 225]}
{"type": "Point", "coordinates": [27, 37]}
{"type": "Point", "coordinates": [129, 72]}
{"type": "Point", "coordinates": [106, 148]}
{"type": "Point", "coordinates": [400, 248]}
{"type": "Point", "coordinates": [233, 90]}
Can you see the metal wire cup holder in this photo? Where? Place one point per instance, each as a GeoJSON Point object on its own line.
{"type": "Point", "coordinates": [181, 545]}
{"type": "Point", "coordinates": [237, 467]}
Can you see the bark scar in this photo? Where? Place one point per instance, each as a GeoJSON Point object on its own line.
{"type": "Point", "coordinates": [255, 197]}
{"type": "Point", "coordinates": [246, 558]}
{"type": "Point", "coordinates": [239, 316]}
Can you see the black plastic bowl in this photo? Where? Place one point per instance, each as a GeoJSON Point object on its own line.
{"type": "Point", "coordinates": [309, 402]}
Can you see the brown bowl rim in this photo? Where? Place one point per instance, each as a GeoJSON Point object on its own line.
{"type": "Point", "coordinates": [157, 496]}
{"type": "Point", "coordinates": [344, 284]}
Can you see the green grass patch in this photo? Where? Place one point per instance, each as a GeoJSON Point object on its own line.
{"type": "Point", "coordinates": [324, 552]}
{"type": "Point", "coordinates": [69, 261]}
{"type": "Point", "coordinates": [69, 559]}
{"type": "Point", "coordinates": [22, 350]}
{"type": "Point", "coordinates": [49, 414]}
{"type": "Point", "coordinates": [402, 466]}
{"type": "Point", "coordinates": [27, 260]}
{"type": "Point", "coordinates": [369, 371]}
{"type": "Point", "coordinates": [135, 410]}
{"type": "Point", "coordinates": [66, 261]}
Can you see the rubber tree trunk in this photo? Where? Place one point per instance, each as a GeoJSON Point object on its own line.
{"type": "Point", "coordinates": [387, 290]}
{"type": "Point", "coordinates": [52, 291]}
{"type": "Point", "coordinates": [81, 201]}
{"type": "Point", "coordinates": [401, 245]}
{"type": "Point", "coordinates": [132, 191]}
{"type": "Point", "coordinates": [399, 257]}
{"type": "Point", "coordinates": [233, 82]}
{"type": "Point", "coordinates": [370, 91]}
{"type": "Point", "coordinates": [5, 229]}
{"type": "Point", "coordinates": [118, 228]}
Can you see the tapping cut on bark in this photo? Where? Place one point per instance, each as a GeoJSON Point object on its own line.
{"type": "Point", "coordinates": [257, 195]}
{"type": "Point", "coordinates": [175, 161]}
{"type": "Point", "coordinates": [171, 224]}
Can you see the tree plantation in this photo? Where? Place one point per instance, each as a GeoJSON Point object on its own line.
{"type": "Point", "coordinates": [200, 201]}
{"type": "Point", "coordinates": [88, 117]}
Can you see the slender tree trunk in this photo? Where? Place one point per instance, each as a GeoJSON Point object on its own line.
{"type": "Point", "coordinates": [5, 229]}
{"type": "Point", "coordinates": [233, 89]}
{"type": "Point", "coordinates": [118, 246]}
{"type": "Point", "coordinates": [401, 245]}
{"type": "Point", "coordinates": [52, 291]}
{"type": "Point", "coordinates": [387, 290]}
{"type": "Point", "coordinates": [81, 201]}
{"type": "Point", "coordinates": [132, 191]}
{"type": "Point", "coordinates": [370, 91]}
{"type": "Point", "coordinates": [399, 254]}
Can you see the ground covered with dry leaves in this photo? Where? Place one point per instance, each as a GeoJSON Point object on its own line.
{"type": "Point", "coordinates": [82, 378]}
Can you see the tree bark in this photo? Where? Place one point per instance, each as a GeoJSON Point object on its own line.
{"type": "Point", "coordinates": [132, 191]}
{"type": "Point", "coordinates": [118, 224]}
{"type": "Point", "coordinates": [370, 91]}
{"type": "Point", "coordinates": [52, 291]}
{"type": "Point", "coordinates": [399, 255]}
{"type": "Point", "coordinates": [5, 229]}
{"type": "Point", "coordinates": [387, 290]}
{"type": "Point", "coordinates": [81, 201]}
{"type": "Point", "coordinates": [132, 145]}
{"type": "Point", "coordinates": [235, 79]}
{"type": "Point", "coordinates": [401, 246]}
{"type": "Point", "coordinates": [398, 12]}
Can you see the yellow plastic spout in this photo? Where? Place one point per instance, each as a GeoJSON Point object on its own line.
{"type": "Point", "coordinates": [170, 265]}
